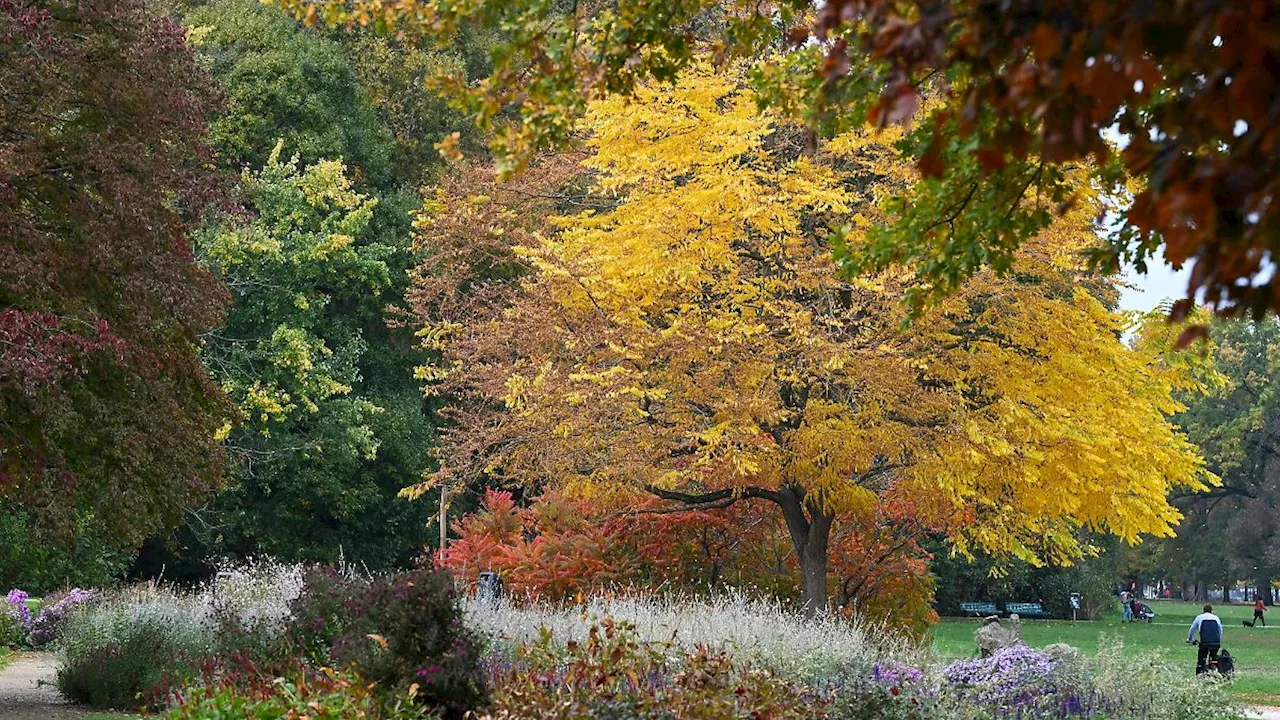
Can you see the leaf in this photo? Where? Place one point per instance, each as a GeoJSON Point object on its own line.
{"type": "Point", "coordinates": [1190, 335]}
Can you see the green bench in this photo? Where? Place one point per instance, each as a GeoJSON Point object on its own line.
{"type": "Point", "coordinates": [979, 609]}
{"type": "Point", "coordinates": [1026, 609]}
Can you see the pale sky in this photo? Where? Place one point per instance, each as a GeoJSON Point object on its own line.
{"type": "Point", "coordinates": [1159, 284]}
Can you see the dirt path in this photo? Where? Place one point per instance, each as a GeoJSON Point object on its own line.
{"type": "Point", "coordinates": [27, 691]}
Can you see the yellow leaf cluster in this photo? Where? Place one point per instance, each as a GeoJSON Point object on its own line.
{"type": "Point", "coordinates": [691, 331]}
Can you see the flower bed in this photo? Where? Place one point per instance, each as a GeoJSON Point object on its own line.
{"type": "Point", "coordinates": [263, 642]}
{"type": "Point", "coordinates": [545, 659]}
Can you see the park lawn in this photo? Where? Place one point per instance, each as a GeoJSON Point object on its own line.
{"type": "Point", "coordinates": [1256, 650]}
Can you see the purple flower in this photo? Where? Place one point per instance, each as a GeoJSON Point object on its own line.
{"type": "Point", "coordinates": [17, 607]}
{"type": "Point", "coordinates": [894, 674]}
{"type": "Point", "coordinates": [46, 626]}
{"type": "Point", "coordinates": [1011, 678]}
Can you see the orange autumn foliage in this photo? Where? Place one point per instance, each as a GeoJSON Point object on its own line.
{"type": "Point", "coordinates": [559, 548]}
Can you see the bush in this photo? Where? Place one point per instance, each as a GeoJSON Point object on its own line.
{"type": "Point", "coordinates": [1158, 689]}
{"type": "Point", "coordinates": [755, 630]}
{"type": "Point", "coordinates": [406, 630]}
{"type": "Point", "coordinates": [1057, 684]}
{"type": "Point", "coordinates": [149, 646]}
{"type": "Point", "coordinates": [128, 665]}
{"type": "Point", "coordinates": [322, 694]}
{"type": "Point", "coordinates": [10, 629]}
{"type": "Point", "coordinates": [1011, 677]}
{"type": "Point", "coordinates": [135, 647]}
{"type": "Point", "coordinates": [874, 702]}
{"type": "Point", "coordinates": [615, 676]}
{"type": "Point", "coordinates": [322, 611]}
{"type": "Point", "coordinates": [90, 557]}
{"type": "Point", "coordinates": [894, 691]}
{"type": "Point", "coordinates": [54, 612]}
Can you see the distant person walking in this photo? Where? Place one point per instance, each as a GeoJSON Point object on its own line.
{"type": "Point", "coordinates": [1127, 606]}
{"type": "Point", "coordinates": [1210, 627]}
{"type": "Point", "coordinates": [1259, 608]}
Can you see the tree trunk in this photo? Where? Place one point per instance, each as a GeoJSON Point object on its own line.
{"type": "Point", "coordinates": [813, 582]}
{"type": "Point", "coordinates": [1262, 588]}
{"type": "Point", "coordinates": [810, 529]}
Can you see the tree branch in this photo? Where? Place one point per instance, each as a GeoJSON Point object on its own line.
{"type": "Point", "coordinates": [914, 422]}
{"type": "Point", "coordinates": [733, 494]}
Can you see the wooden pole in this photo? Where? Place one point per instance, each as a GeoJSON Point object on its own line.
{"type": "Point", "coordinates": [444, 523]}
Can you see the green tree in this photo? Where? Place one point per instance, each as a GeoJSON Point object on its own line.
{"type": "Point", "coordinates": [987, 579]}
{"type": "Point", "coordinates": [394, 75]}
{"type": "Point", "coordinates": [284, 83]}
{"type": "Point", "coordinates": [1233, 531]}
{"type": "Point", "coordinates": [331, 423]}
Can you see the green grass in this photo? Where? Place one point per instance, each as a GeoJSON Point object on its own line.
{"type": "Point", "coordinates": [6, 656]}
{"type": "Point", "coordinates": [1256, 650]}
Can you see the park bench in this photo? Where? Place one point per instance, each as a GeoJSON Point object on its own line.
{"type": "Point", "coordinates": [978, 609]}
{"type": "Point", "coordinates": [1026, 609]}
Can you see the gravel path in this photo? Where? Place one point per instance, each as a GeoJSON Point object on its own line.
{"type": "Point", "coordinates": [27, 691]}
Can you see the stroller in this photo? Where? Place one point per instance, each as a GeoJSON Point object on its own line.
{"type": "Point", "coordinates": [1225, 664]}
{"type": "Point", "coordinates": [1142, 611]}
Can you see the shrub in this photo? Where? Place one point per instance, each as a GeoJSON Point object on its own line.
{"type": "Point", "coordinates": [615, 676]}
{"type": "Point", "coordinates": [406, 630]}
{"type": "Point", "coordinates": [128, 664]}
{"type": "Point", "coordinates": [135, 647]}
{"type": "Point", "coordinates": [892, 691]}
{"type": "Point", "coordinates": [258, 593]}
{"type": "Point", "coordinates": [877, 702]}
{"type": "Point", "coordinates": [1057, 684]}
{"type": "Point", "coordinates": [758, 631]}
{"type": "Point", "coordinates": [45, 628]}
{"type": "Point", "coordinates": [10, 629]}
{"type": "Point", "coordinates": [1156, 688]}
{"type": "Point", "coordinates": [1011, 677]}
{"type": "Point", "coordinates": [322, 611]}
{"type": "Point", "coordinates": [322, 694]}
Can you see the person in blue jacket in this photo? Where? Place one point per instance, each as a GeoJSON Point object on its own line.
{"type": "Point", "coordinates": [1210, 627]}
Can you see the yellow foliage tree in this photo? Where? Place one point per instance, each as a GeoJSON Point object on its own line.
{"type": "Point", "coordinates": [687, 335]}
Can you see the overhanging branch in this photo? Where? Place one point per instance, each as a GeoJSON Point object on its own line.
{"type": "Point", "coordinates": [730, 494]}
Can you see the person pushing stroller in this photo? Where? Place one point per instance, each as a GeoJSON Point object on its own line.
{"type": "Point", "coordinates": [1210, 627]}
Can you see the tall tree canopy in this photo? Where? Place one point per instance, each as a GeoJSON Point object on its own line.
{"type": "Point", "coordinates": [1024, 89]}
{"type": "Point", "coordinates": [107, 418]}
{"type": "Point", "coordinates": [394, 74]}
{"type": "Point", "coordinates": [1234, 531]}
{"type": "Point", "coordinates": [331, 424]}
{"type": "Point", "coordinates": [283, 83]}
{"type": "Point", "coordinates": [681, 331]}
